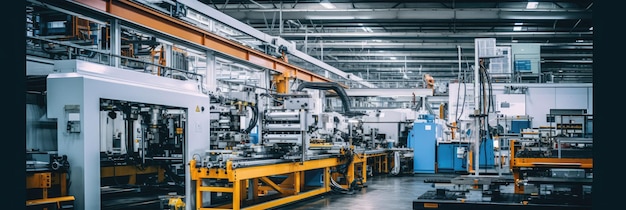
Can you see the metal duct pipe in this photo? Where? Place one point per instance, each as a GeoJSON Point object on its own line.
{"type": "Point", "coordinates": [154, 117]}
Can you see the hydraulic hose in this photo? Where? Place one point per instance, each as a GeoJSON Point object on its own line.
{"type": "Point", "coordinates": [331, 86]}
{"type": "Point", "coordinates": [254, 119]}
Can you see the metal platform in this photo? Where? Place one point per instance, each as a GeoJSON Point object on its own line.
{"type": "Point", "coordinates": [505, 201]}
{"type": "Point", "coordinates": [264, 186]}
{"type": "Point", "coordinates": [129, 197]}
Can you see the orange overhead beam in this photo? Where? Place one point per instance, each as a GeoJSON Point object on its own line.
{"type": "Point", "coordinates": [166, 24]}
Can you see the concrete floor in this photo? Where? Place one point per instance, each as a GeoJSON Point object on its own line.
{"type": "Point", "coordinates": [382, 192]}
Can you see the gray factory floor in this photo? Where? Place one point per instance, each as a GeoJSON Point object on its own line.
{"type": "Point", "coordinates": [381, 192]}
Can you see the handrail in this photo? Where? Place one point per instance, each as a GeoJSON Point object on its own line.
{"type": "Point", "coordinates": [163, 23]}
{"type": "Point", "coordinates": [102, 52]}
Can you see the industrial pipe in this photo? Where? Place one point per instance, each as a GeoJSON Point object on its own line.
{"type": "Point", "coordinates": [331, 86]}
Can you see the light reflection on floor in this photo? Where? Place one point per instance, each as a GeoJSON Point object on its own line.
{"type": "Point", "coordinates": [382, 192]}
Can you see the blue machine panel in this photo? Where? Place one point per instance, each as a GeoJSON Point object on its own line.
{"type": "Point", "coordinates": [254, 138]}
{"type": "Point", "coordinates": [447, 159]}
{"type": "Point", "coordinates": [487, 157]}
{"type": "Point", "coordinates": [522, 65]}
{"type": "Point", "coordinates": [314, 177]}
{"type": "Point", "coordinates": [423, 140]}
{"type": "Point", "coordinates": [460, 164]}
{"type": "Point", "coordinates": [518, 125]}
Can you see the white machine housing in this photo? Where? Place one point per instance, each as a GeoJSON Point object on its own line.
{"type": "Point", "coordinates": [74, 94]}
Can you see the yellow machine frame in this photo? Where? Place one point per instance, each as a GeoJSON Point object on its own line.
{"type": "Point", "coordinates": [290, 190]}
{"type": "Point", "coordinates": [131, 171]}
{"type": "Point", "coordinates": [517, 163]}
{"type": "Point", "coordinates": [380, 162]}
{"type": "Point", "coordinates": [46, 181]}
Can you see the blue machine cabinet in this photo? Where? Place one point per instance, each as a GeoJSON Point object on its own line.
{"type": "Point", "coordinates": [447, 159]}
{"type": "Point", "coordinates": [518, 125]}
{"type": "Point", "coordinates": [423, 140]}
{"type": "Point", "coordinates": [487, 156]}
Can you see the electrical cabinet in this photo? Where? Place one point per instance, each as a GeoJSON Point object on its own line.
{"type": "Point", "coordinates": [423, 140]}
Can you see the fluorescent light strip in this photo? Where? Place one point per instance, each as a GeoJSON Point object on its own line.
{"type": "Point", "coordinates": [532, 5]}
{"type": "Point", "coordinates": [327, 5]}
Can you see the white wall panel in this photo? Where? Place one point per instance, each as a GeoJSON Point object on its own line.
{"type": "Point", "coordinates": [516, 104]}
{"type": "Point", "coordinates": [539, 101]}
{"type": "Point", "coordinates": [571, 98]}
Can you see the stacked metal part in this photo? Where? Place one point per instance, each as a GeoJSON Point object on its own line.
{"type": "Point", "coordinates": [286, 128]}
{"type": "Point", "coordinates": [226, 129]}
{"type": "Point", "coordinates": [233, 117]}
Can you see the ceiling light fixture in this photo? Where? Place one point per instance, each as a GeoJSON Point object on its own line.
{"type": "Point", "coordinates": [326, 4]}
{"type": "Point", "coordinates": [517, 27]}
{"type": "Point", "coordinates": [591, 28]}
{"type": "Point", "coordinates": [532, 5]}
